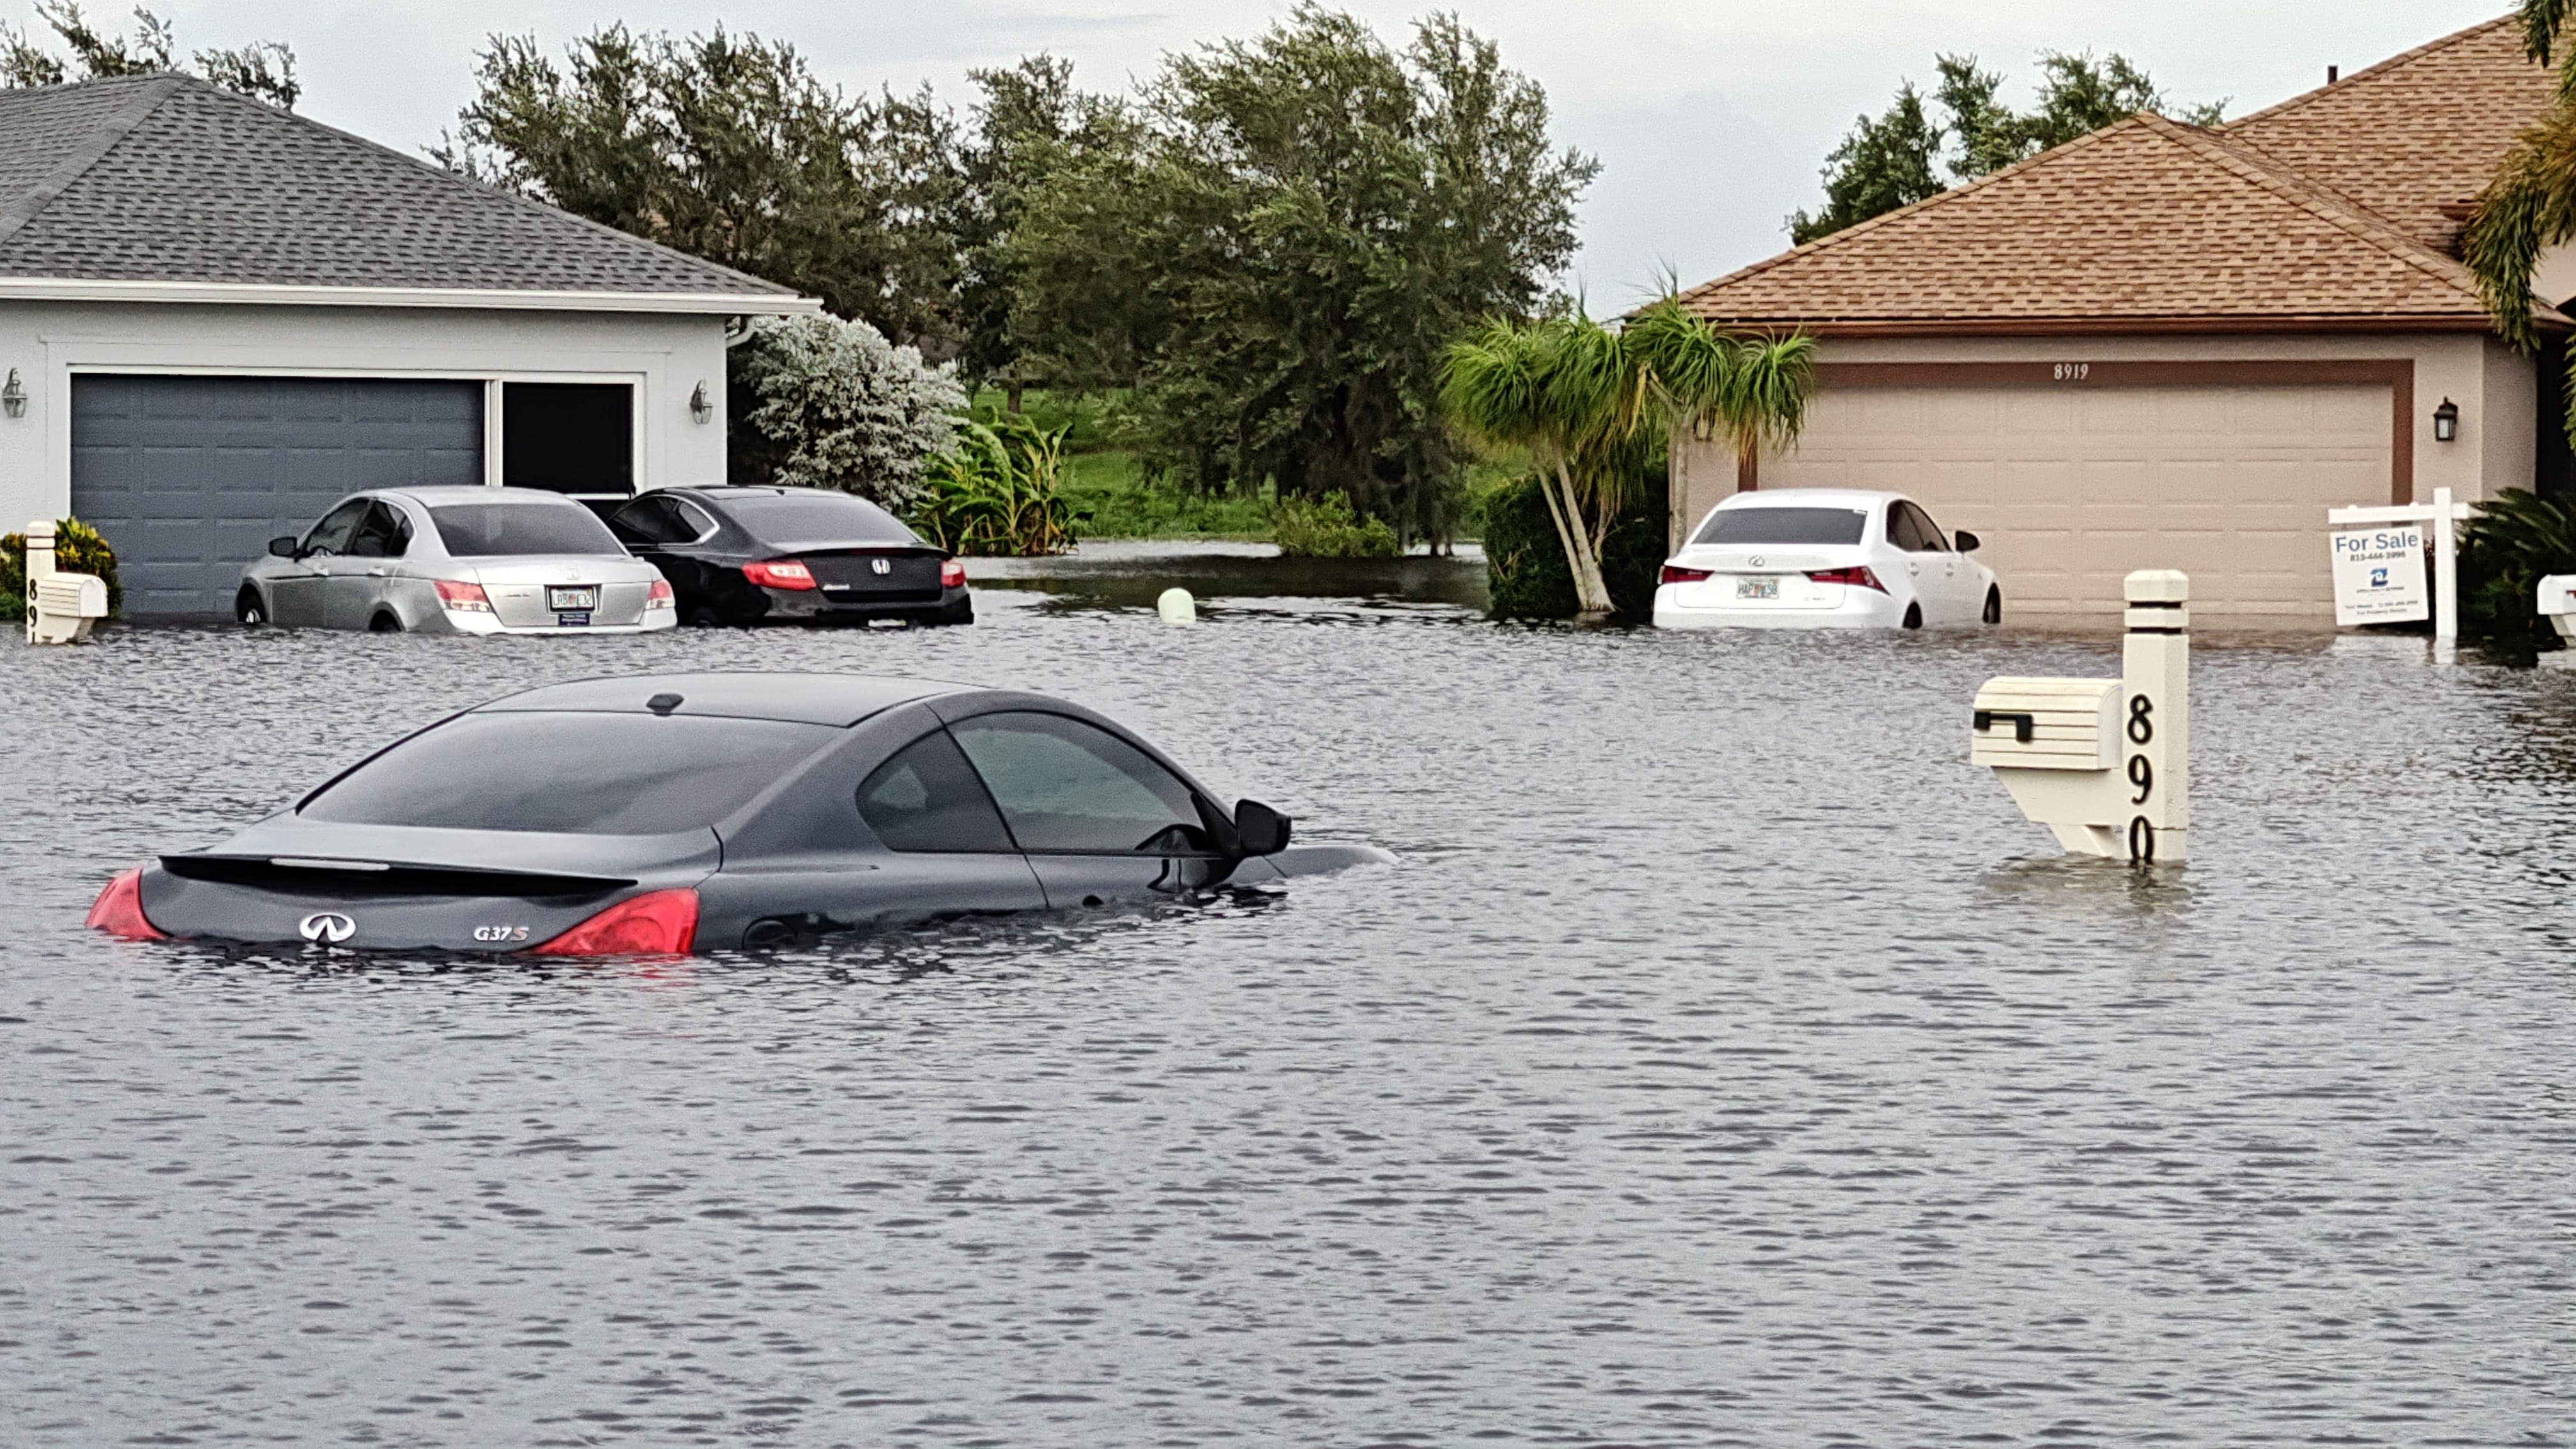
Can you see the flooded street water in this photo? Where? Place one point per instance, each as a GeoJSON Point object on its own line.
{"type": "Point", "coordinates": [1728, 1063]}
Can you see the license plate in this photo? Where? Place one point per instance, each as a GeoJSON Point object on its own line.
{"type": "Point", "coordinates": [581, 598]}
{"type": "Point", "coordinates": [1757, 588]}
{"type": "Point", "coordinates": [579, 619]}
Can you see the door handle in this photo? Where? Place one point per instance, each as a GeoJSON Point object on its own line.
{"type": "Point", "coordinates": [376, 573]}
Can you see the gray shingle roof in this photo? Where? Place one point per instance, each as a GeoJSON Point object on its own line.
{"type": "Point", "coordinates": [169, 179]}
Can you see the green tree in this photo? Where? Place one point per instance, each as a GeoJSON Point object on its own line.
{"type": "Point", "coordinates": [1030, 124]}
{"type": "Point", "coordinates": [1594, 405]}
{"type": "Point", "coordinates": [2529, 205]}
{"type": "Point", "coordinates": [1273, 244]}
{"type": "Point", "coordinates": [1890, 162]}
{"type": "Point", "coordinates": [263, 70]}
{"type": "Point", "coordinates": [730, 148]}
{"type": "Point", "coordinates": [1881, 166]}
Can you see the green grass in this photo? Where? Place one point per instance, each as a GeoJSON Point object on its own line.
{"type": "Point", "coordinates": [1103, 479]}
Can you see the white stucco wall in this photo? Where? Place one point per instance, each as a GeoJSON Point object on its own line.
{"type": "Point", "coordinates": [2491, 384]}
{"type": "Point", "coordinates": [666, 356]}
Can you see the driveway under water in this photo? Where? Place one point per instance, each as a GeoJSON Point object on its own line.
{"type": "Point", "coordinates": [1727, 1064]}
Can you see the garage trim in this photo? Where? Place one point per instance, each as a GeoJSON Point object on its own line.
{"type": "Point", "coordinates": [2395, 374]}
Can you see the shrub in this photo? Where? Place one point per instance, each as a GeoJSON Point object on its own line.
{"type": "Point", "coordinates": [996, 491]}
{"type": "Point", "coordinates": [1327, 528]}
{"type": "Point", "coordinates": [77, 550]}
{"type": "Point", "coordinates": [2513, 541]}
{"type": "Point", "coordinates": [1525, 562]}
{"type": "Point", "coordinates": [831, 404]}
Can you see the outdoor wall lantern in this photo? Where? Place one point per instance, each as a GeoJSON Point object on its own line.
{"type": "Point", "coordinates": [2446, 421]}
{"type": "Point", "coordinates": [13, 396]}
{"type": "Point", "coordinates": [699, 408]}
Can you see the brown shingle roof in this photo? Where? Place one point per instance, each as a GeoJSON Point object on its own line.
{"type": "Point", "coordinates": [2154, 225]}
{"type": "Point", "coordinates": [2414, 135]}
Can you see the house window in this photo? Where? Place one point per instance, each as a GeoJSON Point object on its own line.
{"type": "Point", "coordinates": [569, 437]}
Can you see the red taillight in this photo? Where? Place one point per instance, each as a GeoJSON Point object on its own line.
{"type": "Point", "coordinates": [1676, 574]}
{"type": "Point", "coordinates": [1859, 577]}
{"type": "Point", "coordinates": [779, 573]}
{"type": "Point", "coordinates": [659, 596]}
{"type": "Point", "coordinates": [119, 910]}
{"type": "Point", "coordinates": [656, 923]}
{"type": "Point", "coordinates": [952, 573]}
{"type": "Point", "coordinates": [458, 595]}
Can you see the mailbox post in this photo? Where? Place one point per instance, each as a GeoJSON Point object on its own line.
{"type": "Point", "coordinates": [2105, 764]}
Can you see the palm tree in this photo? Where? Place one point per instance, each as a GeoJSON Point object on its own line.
{"type": "Point", "coordinates": [1592, 403]}
{"type": "Point", "coordinates": [2529, 205]}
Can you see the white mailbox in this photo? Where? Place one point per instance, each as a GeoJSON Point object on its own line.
{"type": "Point", "coordinates": [2103, 763]}
{"type": "Point", "coordinates": [2557, 604]}
{"type": "Point", "coordinates": [61, 608]}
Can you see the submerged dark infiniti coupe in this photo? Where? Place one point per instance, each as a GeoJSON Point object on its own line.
{"type": "Point", "coordinates": [667, 814]}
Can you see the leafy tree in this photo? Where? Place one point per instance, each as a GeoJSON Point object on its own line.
{"type": "Point", "coordinates": [1882, 165]}
{"type": "Point", "coordinates": [1273, 244]}
{"type": "Point", "coordinates": [823, 403]}
{"type": "Point", "coordinates": [1594, 405]}
{"type": "Point", "coordinates": [2529, 204]}
{"type": "Point", "coordinates": [1030, 123]}
{"type": "Point", "coordinates": [730, 148]}
{"type": "Point", "coordinates": [1889, 162]}
{"type": "Point", "coordinates": [263, 70]}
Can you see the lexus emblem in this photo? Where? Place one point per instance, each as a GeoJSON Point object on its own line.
{"type": "Point", "coordinates": [880, 565]}
{"type": "Point", "coordinates": [329, 928]}
{"type": "Point", "coordinates": [1757, 560]}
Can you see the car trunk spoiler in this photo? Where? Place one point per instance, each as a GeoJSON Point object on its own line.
{"type": "Point", "coordinates": [382, 880]}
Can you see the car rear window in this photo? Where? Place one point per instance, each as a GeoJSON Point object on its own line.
{"type": "Point", "coordinates": [486, 530]}
{"type": "Point", "coordinates": [586, 774]}
{"type": "Point", "coordinates": [817, 517]}
{"type": "Point", "coordinates": [1783, 525]}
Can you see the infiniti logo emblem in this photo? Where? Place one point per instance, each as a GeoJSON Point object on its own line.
{"type": "Point", "coordinates": [327, 927]}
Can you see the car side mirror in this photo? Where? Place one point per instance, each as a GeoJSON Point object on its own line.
{"type": "Point", "coordinates": [1967, 542]}
{"type": "Point", "coordinates": [1258, 829]}
{"type": "Point", "coordinates": [282, 547]}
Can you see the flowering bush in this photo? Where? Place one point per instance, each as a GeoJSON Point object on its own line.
{"type": "Point", "coordinates": [824, 403]}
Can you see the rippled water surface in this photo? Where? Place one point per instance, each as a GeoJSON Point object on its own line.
{"type": "Point", "coordinates": [1727, 1064]}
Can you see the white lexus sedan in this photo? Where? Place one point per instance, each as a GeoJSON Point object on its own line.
{"type": "Point", "coordinates": [456, 560]}
{"type": "Point", "coordinates": [1824, 558]}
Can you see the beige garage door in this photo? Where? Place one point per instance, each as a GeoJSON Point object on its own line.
{"type": "Point", "coordinates": [2070, 489]}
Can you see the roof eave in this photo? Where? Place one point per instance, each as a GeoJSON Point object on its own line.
{"type": "Point", "coordinates": [2097, 326]}
{"type": "Point", "coordinates": [249, 294]}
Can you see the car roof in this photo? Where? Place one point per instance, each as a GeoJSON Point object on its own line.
{"type": "Point", "coordinates": [747, 490]}
{"type": "Point", "coordinates": [1809, 498]}
{"type": "Point", "coordinates": [473, 493]}
{"type": "Point", "coordinates": [824, 699]}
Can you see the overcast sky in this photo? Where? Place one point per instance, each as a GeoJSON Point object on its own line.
{"type": "Point", "coordinates": [1710, 117]}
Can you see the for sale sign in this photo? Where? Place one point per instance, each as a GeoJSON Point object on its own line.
{"type": "Point", "coordinates": [2379, 575]}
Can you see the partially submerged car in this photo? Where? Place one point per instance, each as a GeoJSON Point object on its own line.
{"type": "Point", "coordinates": [456, 560]}
{"type": "Point", "coordinates": [757, 555]}
{"type": "Point", "coordinates": [666, 814]}
{"type": "Point", "coordinates": [1824, 558]}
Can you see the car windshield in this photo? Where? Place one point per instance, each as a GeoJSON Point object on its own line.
{"type": "Point", "coordinates": [814, 516]}
{"type": "Point", "coordinates": [484, 530]}
{"type": "Point", "coordinates": [1783, 525]}
{"type": "Point", "coordinates": [586, 774]}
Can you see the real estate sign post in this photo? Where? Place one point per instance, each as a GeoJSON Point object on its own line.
{"type": "Point", "coordinates": [2379, 563]}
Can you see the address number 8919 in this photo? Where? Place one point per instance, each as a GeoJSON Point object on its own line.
{"type": "Point", "coordinates": [2074, 371]}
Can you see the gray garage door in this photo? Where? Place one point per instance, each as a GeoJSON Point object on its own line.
{"type": "Point", "coordinates": [188, 478]}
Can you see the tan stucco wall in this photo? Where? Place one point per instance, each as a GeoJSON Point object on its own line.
{"type": "Point", "coordinates": [2491, 384]}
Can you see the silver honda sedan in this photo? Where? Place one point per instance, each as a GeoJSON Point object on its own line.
{"type": "Point", "coordinates": [456, 561]}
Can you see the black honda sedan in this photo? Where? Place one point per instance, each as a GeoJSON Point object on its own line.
{"type": "Point", "coordinates": [666, 814]}
{"type": "Point", "coordinates": [793, 555]}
